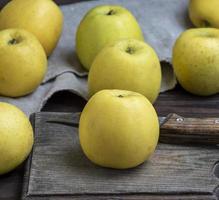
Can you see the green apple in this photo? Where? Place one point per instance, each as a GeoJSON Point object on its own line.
{"type": "Point", "coordinates": [118, 129]}
{"type": "Point", "coordinates": [204, 13]}
{"type": "Point", "coordinates": [16, 137]}
{"type": "Point", "coordinates": [43, 18]}
{"type": "Point", "coordinates": [127, 64]}
{"type": "Point", "coordinates": [196, 60]}
{"type": "Point", "coordinates": [101, 25]}
{"type": "Point", "coordinates": [23, 62]}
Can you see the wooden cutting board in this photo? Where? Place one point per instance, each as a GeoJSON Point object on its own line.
{"type": "Point", "coordinates": [58, 170]}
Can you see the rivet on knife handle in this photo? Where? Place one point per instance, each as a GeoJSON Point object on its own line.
{"type": "Point", "coordinates": [177, 129]}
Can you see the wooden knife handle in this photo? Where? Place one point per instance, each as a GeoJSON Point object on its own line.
{"type": "Point", "coordinates": [177, 129]}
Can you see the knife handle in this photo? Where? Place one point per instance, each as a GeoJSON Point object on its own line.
{"type": "Point", "coordinates": [177, 129]}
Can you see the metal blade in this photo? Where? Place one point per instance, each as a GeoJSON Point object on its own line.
{"type": "Point", "coordinates": [162, 120]}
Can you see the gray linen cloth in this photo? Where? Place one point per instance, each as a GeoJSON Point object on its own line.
{"type": "Point", "coordinates": [161, 21]}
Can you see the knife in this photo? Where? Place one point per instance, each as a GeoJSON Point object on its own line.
{"type": "Point", "coordinates": [173, 128]}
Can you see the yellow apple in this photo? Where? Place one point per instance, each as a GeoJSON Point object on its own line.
{"type": "Point", "coordinates": [204, 13]}
{"type": "Point", "coordinates": [43, 18]}
{"type": "Point", "coordinates": [118, 129]}
{"type": "Point", "coordinates": [196, 60]}
{"type": "Point", "coordinates": [23, 62]}
{"type": "Point", "coordinates": [16, 137]}
{"type": "Point", "coordinates": [101, 25]}
{"type": "Point", "coordinates": [127, 64]}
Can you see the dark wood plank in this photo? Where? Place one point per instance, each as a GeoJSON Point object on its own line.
{"type": "Point", "coordinates": [11, 183]}
{"type": "Point", "coordinates": [59, 169]}
{"type": "Point", "coordinates": [127, 197]}
{"type": "Point", "coordinates": [177, 101]}
{"type": "Point", "coordinates": [182, 103]}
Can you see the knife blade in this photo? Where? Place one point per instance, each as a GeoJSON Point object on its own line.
{"type": "Point", "coordinates": [173, 128]}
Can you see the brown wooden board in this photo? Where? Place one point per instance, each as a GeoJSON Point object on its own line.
{"type": "Point", "coordinates": [185, 104]}
{"type": "Point", "coordinates": [57, 169]}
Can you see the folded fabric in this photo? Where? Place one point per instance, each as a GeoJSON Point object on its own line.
{"type": "Point", "coordinates": [161, 21]}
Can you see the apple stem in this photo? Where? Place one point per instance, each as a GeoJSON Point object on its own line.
{"type": "Point", "coordinates": [111, 12]}
{"type": "Point", "coordinates": [13, 41]}
{"type": "Point", "coordinates": [206, 23]}
{"type": "Point", "coordinates": [130, 50]}
{"type": "Point", "coordinates": [120, 96]}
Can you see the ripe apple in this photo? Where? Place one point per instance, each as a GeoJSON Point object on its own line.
{"type": "Point", "coordinates": [196, 60]}
{"type": "Point", "coordinates": [23, 62]}
{"type": "Point", "coordinates": [204, 13]}
{"type": "Point", "coordinates": [101, 25]}
{"type": "Point", "coordinates": [16, 137]}
{"type": "Point", "coordinates": [118, 129]}
{"type": "Point", "coordinates": [43, 18]}
{"type": "Point", "coordinates": [127, 64]}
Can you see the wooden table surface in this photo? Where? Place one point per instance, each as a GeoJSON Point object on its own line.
{"type": "Point", "coordinates": [11, 184]}
{"type": "Point", "coordinates": [185, 104]}
{"type": "Point", "coordinates": [178, 99]}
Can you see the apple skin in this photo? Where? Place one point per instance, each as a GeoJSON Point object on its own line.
{"type": "Point", "coordinates": [16, 137]}
{"type": "Point", "coordinates": [116, 68]}
{"type": "Point", "coordinates": [43, 18]}
{"type": "Point", "coordinates": [101, 25]}
{"type": "Point", "coordinates": [204, 13]}
{"type": "Point", "coordinates": [118, 129]}
{"type": "Point", "coordinates": [23, 62]}
{"type": "Point", "coordinates": [196, 60]}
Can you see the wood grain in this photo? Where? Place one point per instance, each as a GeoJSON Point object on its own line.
{"type": "Point", "coordinates": [11, 183]}
{"type": "Point", "coordinates": [187, 105]}
{"type": "Point", "coordinates": [59, 170]}
{"type": "Point", "coordinates": [126, 197]}
{"type": "Point", "coordinates": [178, 129]}
{"type": "Point", "coordinates": [176, 101]}
{"type": "Point", "coordinates": [9, 187]}
{"type": "Point", "coordinates": [174, 129]}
